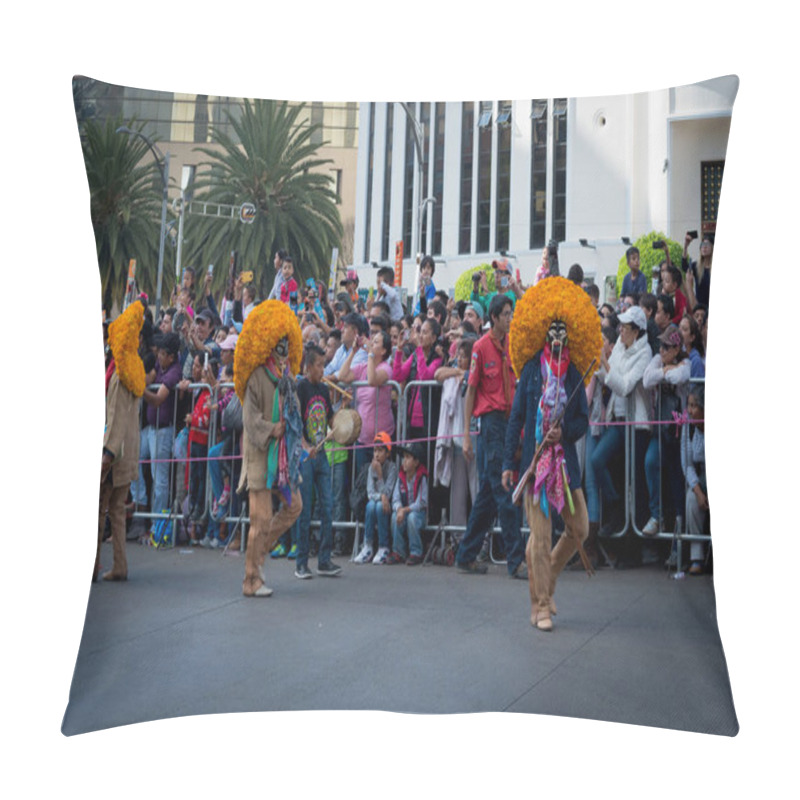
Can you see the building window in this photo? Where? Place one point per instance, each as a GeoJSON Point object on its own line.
{"type": "Point", "coordinates": [538, 233]}
{"type": "Point", "coordinates": [438, 178]}
{"type": "Point", "coordinates": [484, 178]}
{"type": "Point", "coordinates": [503, 185]}
{"type": "Point", "coordinates": [425, 121]}
{"type": "Point", "coordinates": [710, 187]}
{"type": "Point", "coordinates": [371, 159]}
{"type": "Point", "coordinates": [465, 212]}
{"type": "Point", "coordinates": [408, 186]}
{"type": "Point", "coordinates": [387, 181]}
{"type": "Point", "coordinates": [560, 169]}
{"type": "Point", "coordinates": [317, 118]}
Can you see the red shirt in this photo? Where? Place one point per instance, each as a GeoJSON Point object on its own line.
{"type": "Point", "coordinates": [489, 359]}
{"type": "Point", "coordinates": [680, 306]}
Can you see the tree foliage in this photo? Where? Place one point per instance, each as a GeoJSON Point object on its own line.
{"type": "Point", "coordinates": [271, 162]}
{"type": "Point", "coordinates": [125, 203]}
{"type": "Point", "coordinates": [649, 257]}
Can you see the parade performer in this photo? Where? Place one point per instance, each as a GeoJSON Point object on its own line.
{"type": "Point", "coordinates": [266, 360]}
{"type": "Point", "coordinates": [120, 463]}
{"type": "Point", "coordinates": [554, 338]}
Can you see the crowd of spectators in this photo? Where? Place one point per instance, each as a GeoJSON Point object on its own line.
{"type": "Point", "coordinates": [360, 348]}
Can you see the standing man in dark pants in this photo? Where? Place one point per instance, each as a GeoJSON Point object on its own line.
{"type": "Point", "coordinates": [490, 394]}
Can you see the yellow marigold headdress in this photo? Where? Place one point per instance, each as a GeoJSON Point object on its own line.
{"type": "Point", "coordinates": [123, 339]}
{"type": "Point", "coordinates": [555, 298]}
{"type": "Point", "coordinates": [264, 327]}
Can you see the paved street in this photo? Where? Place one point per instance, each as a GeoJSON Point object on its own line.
{"type": "Point", "coordinates": [178, 638]}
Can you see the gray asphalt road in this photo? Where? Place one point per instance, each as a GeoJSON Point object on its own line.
{"type": "Point", "coordinates": [178, 638]}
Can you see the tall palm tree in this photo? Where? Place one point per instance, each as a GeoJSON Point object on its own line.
{"type": "Point", "coordinates": [271, 166]}
{"type": "Point", "coordinates": [124, 206]}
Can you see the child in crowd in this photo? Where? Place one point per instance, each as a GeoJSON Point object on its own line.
{"type": "Point", "coordinates": [289, 285]}
{"type": "Point", "coordinates": [381, 480]}
{"type": "Point", "coordinates": [426, 288]}
{"type": "Point", "coordinates": [410, 506]}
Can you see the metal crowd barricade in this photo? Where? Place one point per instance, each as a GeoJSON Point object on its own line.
{"type": "Point", "coordinates": [442, 528]}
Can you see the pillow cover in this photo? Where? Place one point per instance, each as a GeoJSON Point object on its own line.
{"type": "Point", "coordinates": [637, 645]}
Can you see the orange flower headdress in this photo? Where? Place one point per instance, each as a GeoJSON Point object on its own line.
{"type": "Point", "coordinates": [123, 339]}
{"type": "Point", "coordinates": [264, 327]}
{"type": "Point", "coordinates": [555, 298]}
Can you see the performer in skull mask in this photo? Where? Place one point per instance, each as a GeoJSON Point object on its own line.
{"type": "Point", "coordinates": [266, 359]}
{"type": "Point", "coordinates": [555, 334]}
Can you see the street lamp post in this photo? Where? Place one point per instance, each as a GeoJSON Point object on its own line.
{"type": "Point", "coordinates": [163, 166]}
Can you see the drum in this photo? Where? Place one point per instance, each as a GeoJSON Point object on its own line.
{"type": "Point", "coordinates": [346, 426]}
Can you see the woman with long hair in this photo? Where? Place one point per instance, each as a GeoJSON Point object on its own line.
{"type": "Point", "coordinates": [667, 375]}
{"type": "Point", "coordinates": [693, 345]}
{"type": "Point", "coordinates": [698, 273]}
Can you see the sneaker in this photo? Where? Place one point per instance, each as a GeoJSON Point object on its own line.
{"type": "Point", "coordinates": [472, 568]}
{"type": "Point", "coordinates": [303, 573]}
{"type": "Point", "coordinates": [413, 560]}
{"type": "Point", "coordinates": [394, 558]}
{"type": "Point", "coordinates": [329, 570]}
{"type": "Point", "coordinates": [205, 541]}
{"type": "Point", "coordinates": [364, 556]}
{"type": "Point", "coordinates": [696, 568]}
{"type": "Point", "coordinates": [381, 555]}
{"type": "Point", "coordinates": [293, 552]}
{"type": "Point", "coordinates": [651, 528]}
{"type": "Point", "coordinates": [214, 544]}
{"type": "Point", "coordinates": [278, 552]}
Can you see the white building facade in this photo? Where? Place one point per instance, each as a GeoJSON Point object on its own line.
{"type": "Point", "coordinates": [508, 176]}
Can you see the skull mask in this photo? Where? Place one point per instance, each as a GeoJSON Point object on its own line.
{"type": "Point", "coordinates": [282, 349]}
{"type": "Point", "coordinates": [557, 336]}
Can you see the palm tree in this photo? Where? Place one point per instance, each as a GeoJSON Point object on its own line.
{"type": "Point", "coordinates": [272, 166]}
{"type": "Point", "coordinates": [124, 206]}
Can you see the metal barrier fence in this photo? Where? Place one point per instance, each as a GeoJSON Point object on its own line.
{"type": "Point", "coordinates": [401, 399]}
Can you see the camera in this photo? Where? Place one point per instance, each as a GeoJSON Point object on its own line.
{"type": "Point", "coordinates": [659, 245]}
{"type": "Point", "coordinates": [692, 234]}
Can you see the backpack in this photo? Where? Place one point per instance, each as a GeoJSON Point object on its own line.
{"type": "Point", "coordinates": [162, 533]}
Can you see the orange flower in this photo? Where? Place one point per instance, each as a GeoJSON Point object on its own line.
{"type": "Point", "coordinates": [123, 339]}
{"type": "Point", "coordinates": [555, 298]}
{"type": "Point", "coordinates": [264, 327]}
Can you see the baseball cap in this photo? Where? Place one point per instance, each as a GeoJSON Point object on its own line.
{"type": "Point", "coordinates": [634, 316]}
{"type": "Point", "coordinates": [384, 440]}
{"type": "Point", "coordinates": [671, 336]}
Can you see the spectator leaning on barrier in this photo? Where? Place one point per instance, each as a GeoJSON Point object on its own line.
{"type": "Point", "coordinates": [666, 376]}
{"type": "Point", "coordinates": [694, 346]}
{"type": "Point", "coordinates": [489, 397]}
{"type": "Point", "coordinates": [159, 433]}
{"type": "Point", "coordinates": [622, 373]}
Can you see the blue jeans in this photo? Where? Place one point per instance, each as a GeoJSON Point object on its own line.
{"type": "Point", "coordinates": [410, 528]}
{"type": "Point", "coordinates": [155, 443]}
{"type": "Point", "coordinates": [316, 473]}
{"type": "Point", "coordinates": [590, 484]}
{"type": "Point", "coordinates": [492, 500]}
{"type": "Point", "coordinates": [339, 491]}
{"type": "Point", "coordinates": [376, 517]}
{"type": "Point", "coordinates": [667, 464]}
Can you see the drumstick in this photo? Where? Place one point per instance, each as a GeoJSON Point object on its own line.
{"type": "Point", "coordinates": [336, 386]}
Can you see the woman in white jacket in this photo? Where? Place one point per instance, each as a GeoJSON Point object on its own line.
{"type": "Point", "coordinates": [622, 373]}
